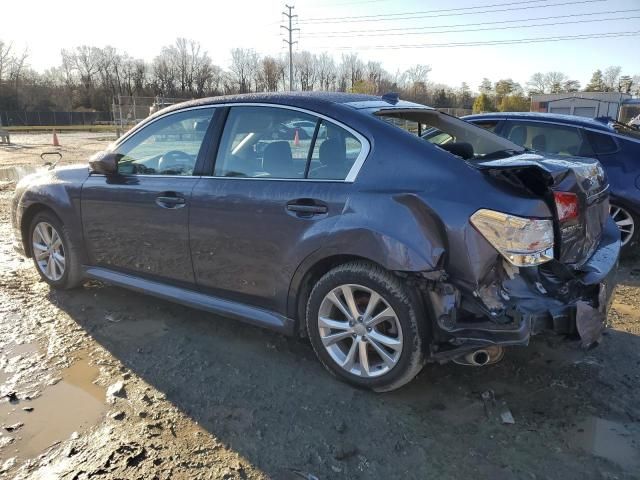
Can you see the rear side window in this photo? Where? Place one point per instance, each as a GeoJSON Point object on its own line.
{"type": "Point", "coordinates": [334, 153]}
{"type": "Point", "coordinates": [489, 125]}
{"type": "Point", "coordinates": [548, 138]}
{"type": "Point", "coordinates": [601, 143]}
{"type": "Point", "coordinates": [272, 142]}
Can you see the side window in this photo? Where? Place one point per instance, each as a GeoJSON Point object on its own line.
{"type": "Point", "coordinates": [271, 142]}
{"type": "Point", "coordinates": [549, 138]}
{"type": "Point", "coordinates": [489, 125]}
{"type": "Point", "coordinates": [265, 142]}
{"type": "Point", "coordinates": [601, 143]}
{"type": "Point", "coordinates": [168, 146]}
{"type": "Point", "coordinates": [335, 151]}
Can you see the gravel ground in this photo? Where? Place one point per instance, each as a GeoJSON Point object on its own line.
{"type": "Point", "coordinates": [101, 382]}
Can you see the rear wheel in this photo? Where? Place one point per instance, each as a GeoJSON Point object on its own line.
{"type": "Point", "coordinates": [53, 253]}
{"type": "Point", "coordinates": [627, 223]}
{"type": "Point", "coordinates": [366, 326]}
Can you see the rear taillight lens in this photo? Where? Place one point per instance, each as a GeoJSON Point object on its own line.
{"type": "Point", "coordinates": [521, 241]}
{"type": "Point", "coordinates": [566, 205]}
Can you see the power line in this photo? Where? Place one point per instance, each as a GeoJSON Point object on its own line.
{"type": "Point", "coordinates": [418, 15]}
{"type": "Point", "coordinates": [406, 30]}
{"type": "Point", "coordinates": [479, 29]}
{"type": "Point", "coordinates": [290, 29]}
{"type": "Point", "coordinates": [437, 10]}
{"type": "Point", "coordinates": [516, 41]}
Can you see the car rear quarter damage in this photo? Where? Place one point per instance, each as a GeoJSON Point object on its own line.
{"type": "Point", "coordinates": [480, 297]}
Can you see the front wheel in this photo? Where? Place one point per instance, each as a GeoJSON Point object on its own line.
{"type": "Point", "coordinates": [53, 254]}
{"type": "Point", "coordinates": [366, 326]}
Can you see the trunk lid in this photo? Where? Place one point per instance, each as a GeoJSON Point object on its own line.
{"type": "Point", "coordinates": [576, 238]}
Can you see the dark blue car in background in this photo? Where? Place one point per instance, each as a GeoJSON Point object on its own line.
{"type": "Point", "coordinates": [616, 145]}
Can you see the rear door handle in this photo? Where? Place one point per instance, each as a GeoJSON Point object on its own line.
{"type": "Point", "coordinates": [306, 208]}
{"type": "Point", "coordinates": [167, 200]}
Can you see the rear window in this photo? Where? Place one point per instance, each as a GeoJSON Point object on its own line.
{"type": "Point", "coordinates": [601, 143]}
{"type": "Point", "coordinates": [451, 134]}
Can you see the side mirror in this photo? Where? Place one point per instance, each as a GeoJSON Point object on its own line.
{"type": "Point", "coordinates": [105, 163]}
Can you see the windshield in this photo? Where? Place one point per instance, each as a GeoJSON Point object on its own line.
{"type": "Point", "coordinates": [449, 133]}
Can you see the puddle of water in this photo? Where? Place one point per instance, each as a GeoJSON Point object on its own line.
{"type": "Point", "coordinates": [607, 439]}
{"type": "Point", "coordinates": [72, 404]}
{"type": "Point", "coordinates": [15, 173]}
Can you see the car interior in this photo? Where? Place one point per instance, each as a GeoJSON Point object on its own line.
{"type": "Point", "coordinates": [269, 143]}
{"type": "Point", "coordinates": [168, 148]}
{"type": "Point", "coordinates": [556, 139]}
{"type": "Point", "coordinates": [451, 134]}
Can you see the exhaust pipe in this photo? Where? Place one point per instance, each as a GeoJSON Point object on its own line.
{"type": "Point", "coordinates": [479, 358]}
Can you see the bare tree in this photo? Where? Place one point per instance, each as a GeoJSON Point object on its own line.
{"type": "Point", "coordinates": [416, 79]}
{"type": "Point", "coordinates": [305, 69]}
{"type": "Point", "coordinates": [326, 71]}
{"type": "Point", "coordinates": [269, 74]}
{"type": "Point", "coordinates": [610, 78]}
{"type": "Point", "coordinates": [352, 69]}
{"type": "Point", "coordinates": [244, 63]}
{"type": "Point", "coordinates": [537, 83]}
{"type": "Point", "coordinates": [5, 58]}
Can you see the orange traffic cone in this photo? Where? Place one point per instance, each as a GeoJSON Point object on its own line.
{"type": "Point", "coordinates": [56, 143]}
{"type": "Point", "coordinates": [296, 138]}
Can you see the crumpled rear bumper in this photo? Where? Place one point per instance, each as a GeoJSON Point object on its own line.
{"type": "Point", "coordinates": [550, 298]}
{"type": "Point", "coordinates": [588, 298]}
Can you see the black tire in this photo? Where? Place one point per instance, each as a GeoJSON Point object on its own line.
{"type": "Point", "coordinates": [404, 301]}
{"type": "Point", "coordinates": [72, 274]}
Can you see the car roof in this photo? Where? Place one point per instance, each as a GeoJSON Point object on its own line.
{"type": "Point", "coordinates": [598, 124]}
{"type": "Point", "coordinates": [356, 101]}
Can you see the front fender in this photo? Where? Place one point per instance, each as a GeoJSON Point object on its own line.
{"type": "Point", "coordinates": [58, 191]}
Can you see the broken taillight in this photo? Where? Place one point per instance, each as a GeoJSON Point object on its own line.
{"type": "Point", "coordinates": [566, 205]}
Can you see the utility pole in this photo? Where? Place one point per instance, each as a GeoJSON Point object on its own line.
{"type": "Point", "coordinates": [290, 29]}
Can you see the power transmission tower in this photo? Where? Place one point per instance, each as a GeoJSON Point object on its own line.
{"type": "Point", "coordinates": [290, 29]}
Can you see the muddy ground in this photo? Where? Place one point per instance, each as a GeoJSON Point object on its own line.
{"type": "Point", "coordinates": [100, 382]}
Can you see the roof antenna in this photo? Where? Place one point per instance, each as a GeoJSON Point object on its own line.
{"type": "Point", "coordinates": [391, 97]}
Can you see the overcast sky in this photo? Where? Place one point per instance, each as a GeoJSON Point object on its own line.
{"type": "Point", "coordinates": [141, 28]}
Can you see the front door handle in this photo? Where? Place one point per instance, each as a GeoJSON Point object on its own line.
{"type": "Point", "coordinates": [306, 207]}
{"type": "Point", "coordinates": [168, 200]}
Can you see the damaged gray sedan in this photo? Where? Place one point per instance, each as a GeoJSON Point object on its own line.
{"type": "Point", "coordinates": [386, 250]}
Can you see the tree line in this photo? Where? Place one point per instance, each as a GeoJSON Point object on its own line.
{"type": "Point", "coordinates": [89, 77]}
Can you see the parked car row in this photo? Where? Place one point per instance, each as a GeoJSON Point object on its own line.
{"type": "Point", "coordinates": [329, 216]}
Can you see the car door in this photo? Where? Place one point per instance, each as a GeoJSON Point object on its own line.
{"type": "Point", "coordinates": [137, 220]}
{"type": "Point", "coordinates": [271, 200]}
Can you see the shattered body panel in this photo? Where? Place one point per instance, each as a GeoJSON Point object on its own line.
{"type": "Point", "coordinates": [408, 210]}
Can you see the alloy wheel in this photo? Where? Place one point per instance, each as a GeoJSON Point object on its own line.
{"type": "Point", "coordinates": [624, 221]}
{"type": "Point", "coordinates": [360, 330]}
{"type": "Point", "coordinates": [48, 251]}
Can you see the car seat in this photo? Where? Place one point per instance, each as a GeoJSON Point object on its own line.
{"type": "Point", "coordinates": [539, 143]}
{"type": "Point", "coordinates": [333, 160]}
{"type": "Point", "coordinates": [277, 160]}
{"type": "Point", "coordinates": [518, 135]}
